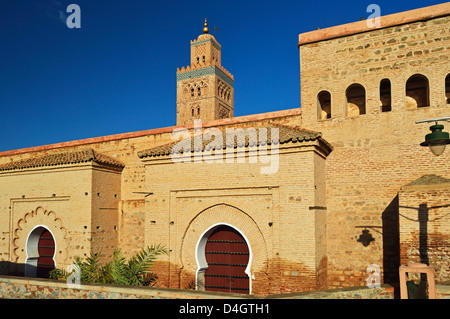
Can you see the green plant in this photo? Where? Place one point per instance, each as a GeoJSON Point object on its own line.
{"type": "Point", "coordinates": [135, 271]}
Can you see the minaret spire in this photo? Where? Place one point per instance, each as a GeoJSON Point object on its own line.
{"type": "Point", "coordinates": [205, 29]}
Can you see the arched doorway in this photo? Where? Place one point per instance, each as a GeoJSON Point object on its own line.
{"type": "Point", "coordinates": [227, 256]}
{"type": "Point", "coordinates": [40, 249]}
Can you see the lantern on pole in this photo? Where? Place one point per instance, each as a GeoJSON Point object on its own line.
{"type": "Point", "coordinates": [437, 139]}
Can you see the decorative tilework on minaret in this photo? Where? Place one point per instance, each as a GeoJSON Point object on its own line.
{"type": "Point", "coordinates": [204, 88]}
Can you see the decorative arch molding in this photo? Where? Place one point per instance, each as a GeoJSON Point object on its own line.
{"type": "Point", "coordinates": [25, 226]}
{"type": "Point", "coordinates": [223, 214]}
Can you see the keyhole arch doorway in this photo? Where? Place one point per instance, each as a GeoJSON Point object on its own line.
{"type": "Point", "coordinates": [224, 259]}
{"type": "Point", "coordinates": [40, 250]}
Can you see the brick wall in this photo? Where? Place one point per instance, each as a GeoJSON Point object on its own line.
{"type": "Point", "coordinates": [375, 153]}
{"type": "Point", "coordinates": [86, 198]}
{"type": "Point", "coordinates": [277, 213]}
{"type": "Point", "coordinates": [76, 203]}
{"type": "Point", "coordinates": [424, 225]}
{"type": "Point", "coordinates": [315, 224]}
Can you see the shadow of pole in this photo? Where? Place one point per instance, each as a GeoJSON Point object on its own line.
{"type": "Point", "coordinates": [391, 245]}
{"type": "Point", "coordinates": [423, 233]}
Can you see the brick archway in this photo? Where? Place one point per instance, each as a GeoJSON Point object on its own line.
{"type": "Point", "coordinates": [25, 230]}
{"type": "Point", "coordinates": [222, 214]}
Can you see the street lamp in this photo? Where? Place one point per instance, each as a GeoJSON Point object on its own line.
{"type": "Point", "coordinates": [437, 139]}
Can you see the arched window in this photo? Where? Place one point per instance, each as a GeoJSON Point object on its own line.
{"type": "Point", "coordinates": [385, 95]}
{"type": "Point", "coordinates": [356, 100]}
{"type": "Point", "coordinates": [324, 105]}
{"type": "Point", "coordinates": [199, 91]}
{"type": "Point", "coordinates": [447, 88]}
{"type": "Point", "coordinates": [417, 92]}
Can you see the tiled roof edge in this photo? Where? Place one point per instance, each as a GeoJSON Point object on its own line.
{"type": "Point", "coordinates": [167, 149]}
{"type": "Point", "coordinates": [62, 158]}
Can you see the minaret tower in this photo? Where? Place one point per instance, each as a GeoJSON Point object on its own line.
{"type": "Point", "coordinates": [204, 88]}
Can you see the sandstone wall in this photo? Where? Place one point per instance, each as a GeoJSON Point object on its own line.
{"type": "Point", "coordinates": [378, 152]}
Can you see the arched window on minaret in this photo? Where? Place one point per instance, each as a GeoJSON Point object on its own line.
{"type": "Point", "coordinates": [356, 99]}
{"type": "Point", "coordinates": [417, 92]}
{"type": "Point", "coordinates": [324, 105]}
{"type": "Point", "coordinates": [385, 95]}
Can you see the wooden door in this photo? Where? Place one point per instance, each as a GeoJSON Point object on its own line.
{"type": "Point", "coordinates": [227, 255]}
{"type": "Point", "coordinates": [46, 249]}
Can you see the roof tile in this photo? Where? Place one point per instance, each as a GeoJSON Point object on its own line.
{"type": "Point", "coordinates": [68, 157]}
{"type": "Point", "coordinates": [286, 134]}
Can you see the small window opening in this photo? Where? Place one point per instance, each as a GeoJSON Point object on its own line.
{"type": "Point", "coordinates": [356, 100]}
{"type": "Point", "coordinates": [417, 92]}
{"type": "Point", "coordinates": [198, 111]}
{"type": "Point", "coordinates": [192, 111]}
{"type": "Point", "coordinates": [198, 59]}
{"type": "Point", "coordinates": [203, 58]}
{"type": "Point", "coordinates": [385, 95]}
{"type": "Point", "coordinates": [324, 105]}
{"type": "Point", "coordinates": [199, 91]}
{"type": "Point", "coordinates": [192, 92]}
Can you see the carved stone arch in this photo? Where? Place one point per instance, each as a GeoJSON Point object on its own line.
{"type": "Point", "coordinates": [205, 88]}
{"type": "Point", "coordinates": [219, 86]}
{"type": "Point", "coordinates": [186, 89]}
{"type": "Point", "coordinates": [228, 93]}
{"type": "Point", "coordinates": [39, 218]}
{"type": "Point", "coordinates": [222, 214]}
{"type": "Point", "coordinates": [224, 112]}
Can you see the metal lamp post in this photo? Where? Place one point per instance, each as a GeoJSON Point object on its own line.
{"type": "Point", "coordinates": [437, 139]}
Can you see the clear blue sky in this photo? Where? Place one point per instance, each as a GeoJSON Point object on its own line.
{"type": "Point", "coordinates": [117, 73]}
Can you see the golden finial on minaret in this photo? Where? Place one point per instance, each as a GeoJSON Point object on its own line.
{"type": "Point", "coordinates": [205, 29]}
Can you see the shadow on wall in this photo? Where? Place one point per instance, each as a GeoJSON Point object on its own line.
{"type": "Point", "coordinates": [391, 244]}
{"type": "Point", "coordinates": [423, 219]}
{"type": "Point", "coordinates": [8, 268]}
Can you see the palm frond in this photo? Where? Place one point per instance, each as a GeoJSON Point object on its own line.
{"type": "Point", "coordinates": [135, 271]}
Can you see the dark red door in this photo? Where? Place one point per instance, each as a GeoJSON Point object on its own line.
{"type": "Point", "coordinates": [227, 255]}
{"type": "Point", "coordinates": [46, 249]}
